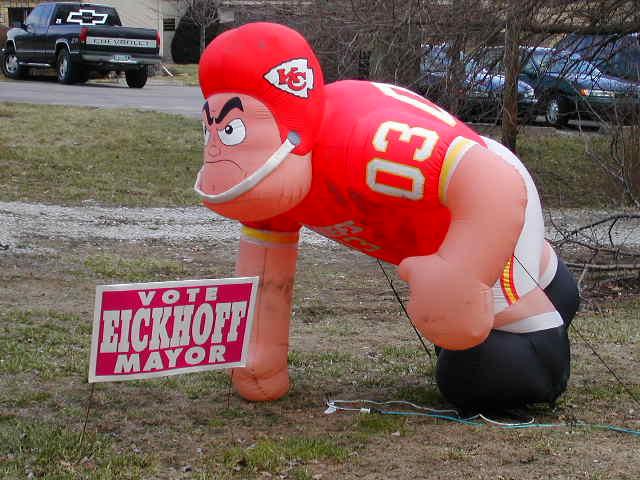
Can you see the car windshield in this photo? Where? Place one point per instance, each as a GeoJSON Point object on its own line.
{"type": "Point", "coordinates": [582, 67]}
{"type": "Point", "coordinates": [435, 59]}
{"type": "Point", "coordinates": [565, 65]}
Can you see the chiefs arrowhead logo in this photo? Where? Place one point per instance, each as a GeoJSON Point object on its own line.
{"type": "Point", "coordinates": [294, 77]}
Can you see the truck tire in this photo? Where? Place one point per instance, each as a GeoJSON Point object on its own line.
{"type": "Point", "coordinates": [136, 78]}
{"type": "Point", "coordinates": [10, 66]}
{"type": "Point", "coordinates": [64, 67]}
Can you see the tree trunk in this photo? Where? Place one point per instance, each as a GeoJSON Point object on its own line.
{"type": "Point", "coordinates": [512, 69]}
{"type": "Point", "coordinates": [203, 38]}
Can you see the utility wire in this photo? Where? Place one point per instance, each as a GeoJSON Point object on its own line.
{"type": "Point", "coordinates": [395, 292]}
{"type": "Point", "coordinates": [537, 283]}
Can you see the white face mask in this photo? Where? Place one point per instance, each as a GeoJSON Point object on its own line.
{"type": "Point", "coordinates": [292, 141]}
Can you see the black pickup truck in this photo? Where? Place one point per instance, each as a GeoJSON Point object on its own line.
{"type": "Point", "coordinates": [79, 39]}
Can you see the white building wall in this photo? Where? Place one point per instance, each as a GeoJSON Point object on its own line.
{"type": "Point", "coordinates": [170, 9]}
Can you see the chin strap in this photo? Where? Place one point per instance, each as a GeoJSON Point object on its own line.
{"type": "Point", "coordinates": [292, 141]}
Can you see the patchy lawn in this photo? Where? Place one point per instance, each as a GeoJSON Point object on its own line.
{"type": "Point", "coordinates": [141, 158]}
{"type": "Point", "coordinates": [115, 157]}
{"type": "Point", "coordinates": [349, 340]}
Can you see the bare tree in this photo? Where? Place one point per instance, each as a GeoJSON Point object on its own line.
{"type": "Point", "coordinates": [604, 251]}
{"type": "Point", "coordinates": [385, 40]}
{"type": "Point", "coordinates": [203, 13]}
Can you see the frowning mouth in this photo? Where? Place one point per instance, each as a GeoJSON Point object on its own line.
{"type": "Point", "coordinates": [255, 177]}
{"type": "Point", "coordinates": [223, 160]}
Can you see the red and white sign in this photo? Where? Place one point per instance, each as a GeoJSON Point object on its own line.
{"type": "Point", "coordinates": [146, 330]}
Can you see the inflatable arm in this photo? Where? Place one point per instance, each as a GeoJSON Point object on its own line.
{"type": "Point", "coordinates": [271, 256]}
{"type": "Point", "coordinates": [450, 291]}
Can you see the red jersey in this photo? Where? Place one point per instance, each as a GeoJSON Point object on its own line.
{"type": "Point", "coordinates": [377, 184]}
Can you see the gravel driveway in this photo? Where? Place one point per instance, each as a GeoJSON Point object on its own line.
{"type": "Point", "coordinates": [21, 221]}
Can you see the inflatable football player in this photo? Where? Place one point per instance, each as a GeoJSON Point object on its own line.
{"type": "Point", "coordinates": [386, 172]}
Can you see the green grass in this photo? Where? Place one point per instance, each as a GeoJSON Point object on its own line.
{"type": "Point", "coordinates": [186, 74]}
{"type": "Point", "coordinates": [380, 424]}
{"type": "Point", "coordinates": [35, 449]}
{"type": "Point", "coordinates": [622, 328]}
{"type": "Point", "coordinates": [565, 173]}
{"type": "Point", "coordinates": [136, 158]}
{"type": "Point", "coordinates": [46, 344]}
{"type": "Point", "coordinates": [273, 455]}
{"type": "Point", "coordinates": [69, 155]}
{"type": "Point", "coordinates": [116, 268]}
{"type": "Point", "coordinates": [200, 385]}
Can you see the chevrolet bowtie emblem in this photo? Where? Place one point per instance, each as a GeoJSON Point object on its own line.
{"type": "Point", "coordinates": [87, 17]}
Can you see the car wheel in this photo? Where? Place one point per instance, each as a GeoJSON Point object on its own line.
{"type": "Point", "coordinates": [136, 78]}
{"type": "Point", "coordinates": [556, 112]}
{"type": "Point", "coordinates": [10, 66]}
{"type": "Point", "coordinates": [64, 67]}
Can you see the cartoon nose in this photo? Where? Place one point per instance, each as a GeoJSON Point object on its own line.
{"type": "Point", "coordinates": [213, 150]}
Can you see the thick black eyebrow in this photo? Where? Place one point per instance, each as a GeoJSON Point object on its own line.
{"type": "Point", "coordinates": [230, 105]}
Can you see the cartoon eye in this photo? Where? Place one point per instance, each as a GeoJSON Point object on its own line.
{"type": "Point", "coordinates": [233, 133]}
{"type": "Point", "coordinates": [206, 133]}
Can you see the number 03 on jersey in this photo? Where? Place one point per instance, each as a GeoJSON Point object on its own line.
{"type": "Point", "coordinates": [391, 177]}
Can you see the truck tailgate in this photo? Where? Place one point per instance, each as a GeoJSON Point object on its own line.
{"type": "Point", "coordinates": [117, 39]}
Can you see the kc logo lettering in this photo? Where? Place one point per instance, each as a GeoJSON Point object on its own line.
{"type": "Point", "coordinates": [294, 77]}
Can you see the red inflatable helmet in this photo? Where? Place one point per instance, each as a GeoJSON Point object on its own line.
{"type": "Point", "coordinates": [275, 65]}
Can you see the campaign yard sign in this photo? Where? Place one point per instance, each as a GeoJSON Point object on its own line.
{"type": "Point", "coordinates": [145, 330]}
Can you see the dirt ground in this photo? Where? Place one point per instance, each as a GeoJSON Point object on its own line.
{"type": "Point", "coordinates": [349, 340]}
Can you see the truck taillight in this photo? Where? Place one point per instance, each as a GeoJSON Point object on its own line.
{"type": "Point", "coordinates": [84, 32]}
{"type": "Point", "coordinates": [158, 39]}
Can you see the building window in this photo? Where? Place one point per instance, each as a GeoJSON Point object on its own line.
{"type": "Point", "coordinates": [169, 24]}
{"type": "Point", "coordinates": [17, 15]}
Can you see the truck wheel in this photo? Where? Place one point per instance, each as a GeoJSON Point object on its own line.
{"type": "Point", "coordinates": [556, 112]}
{"type": "Point", "coordinates": [64, 67]}
{"type": "Point", "coordinates": [136, 78]}
{"type": "Point", "coordinates": [10, 66]}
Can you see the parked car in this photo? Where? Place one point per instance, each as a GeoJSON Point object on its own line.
{"type": "Point", "coordinates": [569, 87]}
{"type": "Point", "coordinates": [484, 94]}
{"type": "Point", "coordinates": [77, 39]}
{"type": "Point", "coordinates": [618, 56]}
{"type": "Point", "coordinates": [480, 90]}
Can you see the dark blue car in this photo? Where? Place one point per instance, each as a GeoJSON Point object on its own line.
{"type": "Point", "coordinates": [618, 56]}
{"type": "Point", "coordinates": [571, 88]}
{"type": "Point", "coordinates": [480, 90]}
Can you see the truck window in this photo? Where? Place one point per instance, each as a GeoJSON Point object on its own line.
{"type": "Point", "coordinates": [42, 15]}
{"type": "Point", "coordinates": [35, 17]}
{"type": "Point", "coordinates": [85, 15]}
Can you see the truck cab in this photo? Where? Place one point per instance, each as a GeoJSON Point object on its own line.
{"type": "Point", "coordinates": [79, 39]}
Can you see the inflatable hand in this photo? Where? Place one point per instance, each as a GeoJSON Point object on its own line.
{"type": "Point", "coordinates": [453, 310]}
{"type": "Point", "coordinates": [262, 380]}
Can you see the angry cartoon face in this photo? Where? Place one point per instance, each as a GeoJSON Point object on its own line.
{"type": "Point", "coordinates": [248, 172]}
